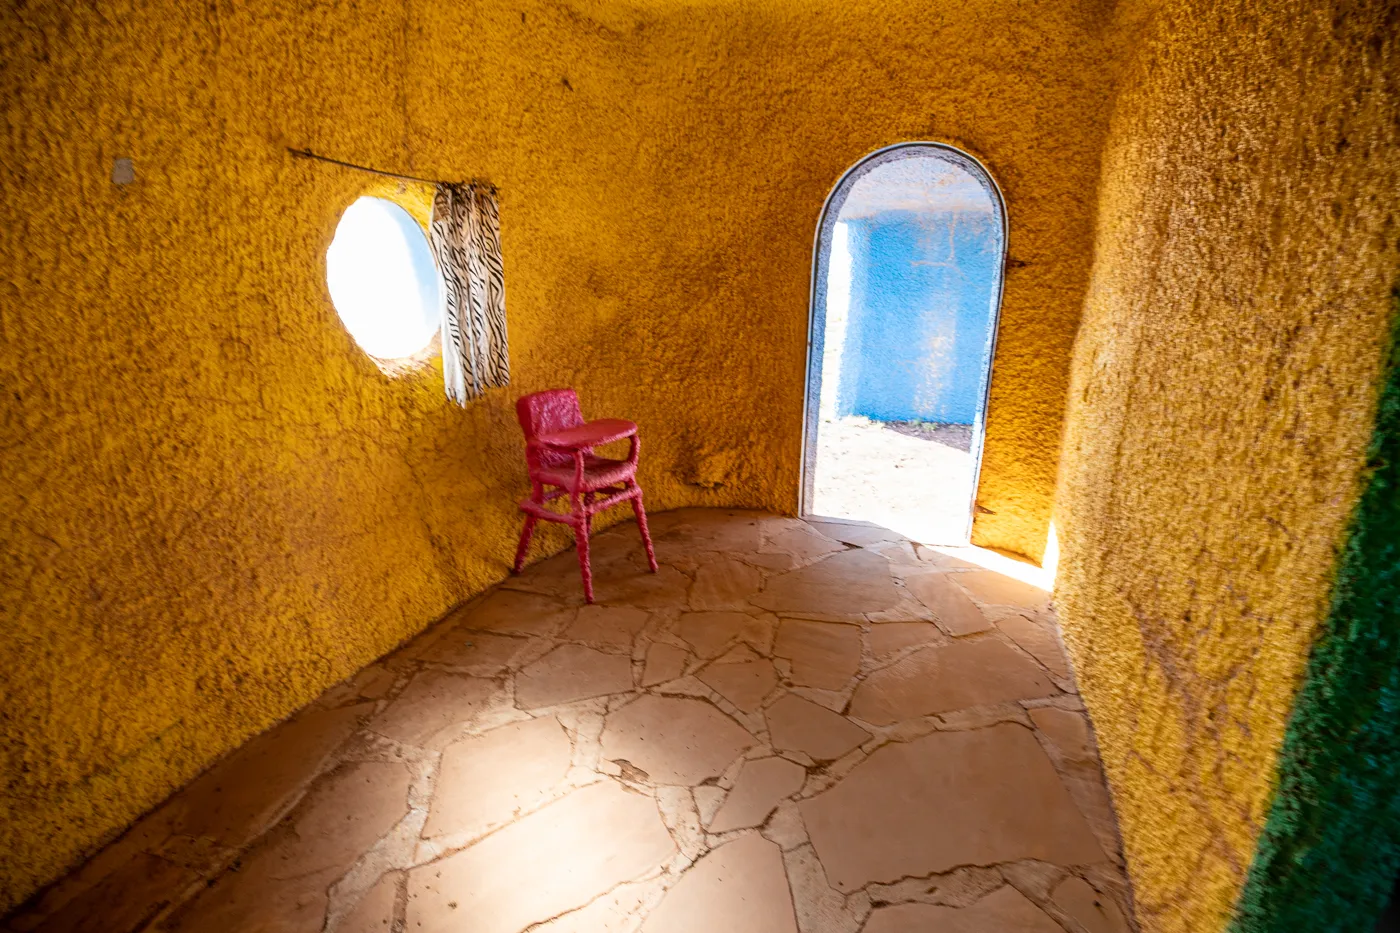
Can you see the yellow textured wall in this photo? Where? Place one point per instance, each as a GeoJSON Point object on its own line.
{"type": "Point", "coordinates": [767, 104]}
{"type": "Point", "coordinates": [1222, 399]}
{"type": "Point", "coordinates": [213, 505]}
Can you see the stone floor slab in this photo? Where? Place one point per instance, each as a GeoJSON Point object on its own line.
{"type": "Point", "coordinates": [710, 632]}
{"type": "Point", "coordinates": [664, 662]}
{"type": "Point", "coordinates": [724, 583]}
{"type": "Point", "coordinates": [851, 582]}
{"type": "Point", "coordinates": [1085, 782]}
{"type": "Point", "coordinates": [375, 912]}
{"type": "Point", "coordinates": [758, 789]}
{"type": "Point", "coordinates": [236, 799]}
{"type": "Point", "coordinates": [432, 702]}
{"type": "Point", "coordinates": [997, 589]}
{"type": "Point", "coordinates": [515, 612]}
{"type": "Point", "coordinates": [890, 638]}
{"type": "Point", "coordinates": [621, 543]}
{"type": "Point", "coordinates": [962, 779]}
{"type": "Point", "coordinates": [1004, 911]}
{"type": "Point", "coordinates": [1038, 641]}
{"type": "Point", "coordinates": [961, 887]}
{"type": "Point", "coordinates": [820, 908]}
{"type": "Point", "coordinates": [607, 625]}
{"type": "Point", "coordinates": [949, 603]}
{"type": "Point", "coordinates": [572, 672]}
{"type": "Point", "coordinates": [485, 779]}
{"type": "Point", "coordinates": [626, 586]}
{"type": "Point", "coordinates": [125, 900]}
{"type": "Point", "coordinates": [800, 725]}
{"type": "Point", "coordinates": [825, 655]}
{"type": "Point", "coordinates": [738, 888]}
{"type": "Point", "coordinates": [556, 576]}
{"type": "Point", "coordinates": [1096, 912]}
{"type": "Point", "coordinates": [708, 530]}
{"type": "Point", "coordinates": [618, 911]}
{"type": "Point", "coordinates": [945, 557]}
{"type": "Point", "coordinates": [856, 535]}
{"type": "Point", "coordinates": [744, 684]}
{"type": "Point", "coordinates": [738, 654]}
{"type": "Point", "coordinates": [948, 799]}
{"type": "Point", "coordinates": [282, 885]}
{"type": "Point", "coordinates": [948, 677]}
{"type": "Point", "coordinates": [552, 861]}
{"type": "Point", "coordinates": [675, 740]}
{"type": "Point", "coordinates": [802, 542]}
{"type": "Point", "coordinates": [1068, 732]}
{"type": "Point", "coordinates": [374, 682]}
{"type": "Point", "coordinates": [481, 654]}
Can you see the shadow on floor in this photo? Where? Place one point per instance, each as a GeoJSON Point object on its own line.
{"type": "Point", "coordinates": [956, 436]}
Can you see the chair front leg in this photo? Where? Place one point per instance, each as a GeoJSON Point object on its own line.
{"type": "Point", "coordinates": [523, 548]}
{"type": "Point", "coordinates": [582, 525]}
{"type": "Point", "coordinates": [528, 532]}
{"type": "Point", "coordinates": [585, 568]}
{"type": "Point", "coordinates": [641, 513]}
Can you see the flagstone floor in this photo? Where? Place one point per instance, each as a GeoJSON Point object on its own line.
{"type": "Point", "coordinates": [791, 727]}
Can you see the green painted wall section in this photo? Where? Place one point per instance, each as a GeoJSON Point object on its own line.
{"type": "Point", "coordinates": [1330, 851]}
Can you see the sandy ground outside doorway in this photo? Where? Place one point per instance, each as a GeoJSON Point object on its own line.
{"type": "Point", "coordinates": [916, 482]}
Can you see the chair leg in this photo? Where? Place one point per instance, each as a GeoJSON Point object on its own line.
{"type": "Point", "coordinates": [641, 514]}
{"type": "Point", "coordinates": [585, 568]}
{"type": "Point", "coordinates": [526, 534]}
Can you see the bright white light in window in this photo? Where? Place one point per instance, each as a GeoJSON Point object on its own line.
{"type": "Point", "coordinates": [382, 279]}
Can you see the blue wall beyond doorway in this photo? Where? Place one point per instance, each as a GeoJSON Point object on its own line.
{"type": "Point", "coordinates": [918, 338]}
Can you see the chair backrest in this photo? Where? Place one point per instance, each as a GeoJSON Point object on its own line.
{"type": "Point", "coordinates": [542, 412]}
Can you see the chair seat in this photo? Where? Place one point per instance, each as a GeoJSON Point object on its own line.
{"type": "Point", "coordinates": [598, 473]}
{"type": "Point", "coordinates": [559, 455]}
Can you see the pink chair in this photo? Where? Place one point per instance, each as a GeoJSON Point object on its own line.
{"type": "Point", "coordinates": [559, 453]}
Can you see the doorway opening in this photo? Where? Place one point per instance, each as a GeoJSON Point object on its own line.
{"type": "Point", "coordinates": [906, 291]}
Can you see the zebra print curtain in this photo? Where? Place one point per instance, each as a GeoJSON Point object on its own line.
{"type": "Point", "coordinates": [466, 239]}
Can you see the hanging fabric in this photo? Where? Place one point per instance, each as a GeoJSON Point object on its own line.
{"type": "Point", "coordinates": [466, 240]}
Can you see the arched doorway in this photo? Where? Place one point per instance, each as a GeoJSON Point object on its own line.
{"type": "Point", "coordinates": [906, 293]}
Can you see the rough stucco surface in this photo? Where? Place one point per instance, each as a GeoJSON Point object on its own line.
{"type": "Point", "coordinates": [213, 505]}
{"type": "Point", "coordinates": [769, 103]}
{"type": "Point", "coordinates": [1329, 852]}
{"type": "Point", "coordinates": [1222, 402]}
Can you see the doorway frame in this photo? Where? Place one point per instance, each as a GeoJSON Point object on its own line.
{"type": "Point", "coordinates": [816, 309]}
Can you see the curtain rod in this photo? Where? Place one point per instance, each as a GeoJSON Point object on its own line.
{"type": "Point", "coordinates": [308, 154]}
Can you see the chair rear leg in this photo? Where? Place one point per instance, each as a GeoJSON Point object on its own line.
{"type": "Point", "coordinates": [526, 534]}
{"type": "Point", "coordinates": [641, 514]}
{"type": "Point", "coordinates": [585, 568]}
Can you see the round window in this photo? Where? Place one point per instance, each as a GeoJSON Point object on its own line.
{"type": "Point", "coordinates": [382, 279]}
